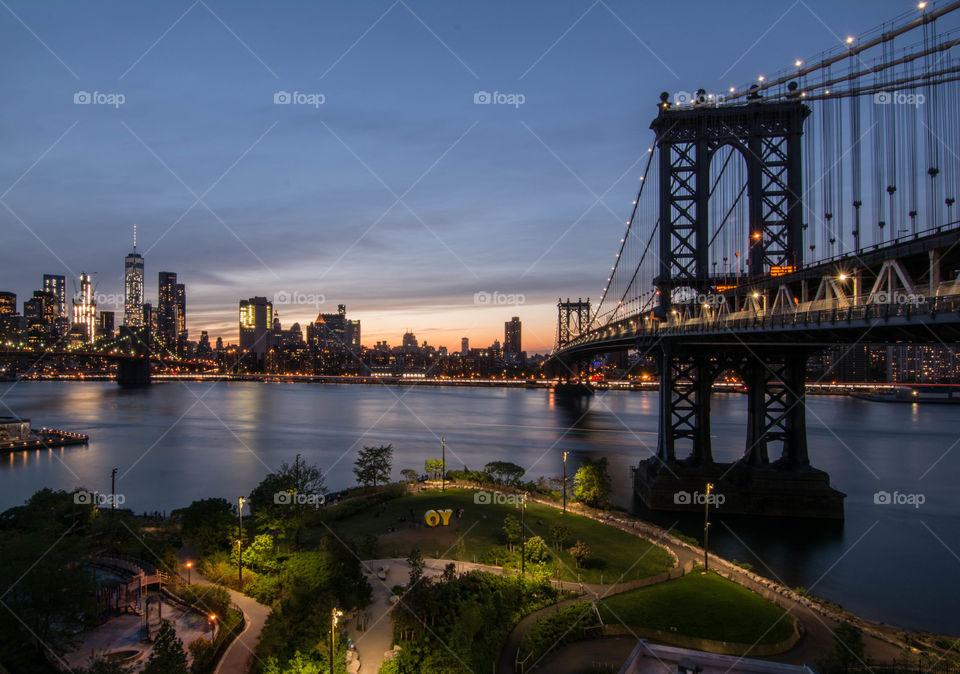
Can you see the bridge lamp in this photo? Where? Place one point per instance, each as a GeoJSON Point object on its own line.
{"type": "Point", "coordinates": [732, 89]}
{"type": "Point", "coordinates": [798, 63]}
{"type": "Point", "coordinates": [842, 277]}
{"type": "Point", "coordinates": [850, 38]}
{"type": "Point", "coordinates": [921, 5]}
{"type": "Point", "coordinates": [756, 295]}
{"type": "Point", "coordinates": [760, 79]}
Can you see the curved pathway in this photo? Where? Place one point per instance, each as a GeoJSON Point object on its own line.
{"type": "Point", "coordinates": [239, 655]}
{"type": "Point", "coordinates": [815, 621]}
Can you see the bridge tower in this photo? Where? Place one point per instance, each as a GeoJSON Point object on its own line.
{"type": "Point", "coordinates": [768, 136]}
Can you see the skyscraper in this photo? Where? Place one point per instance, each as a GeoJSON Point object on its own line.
{"type": "Point", "coordinates": [167, 310]}
{"type": "Point", "coordinates": [464, 346]}
{"type": "Point", "coordinates": [85, 309]}
{"type": "Point", "coordinates": [256, 323]}
{"type": "Point", "coordinates": [133, 287]}
{"type": "Point", "coordinates": [511, 337]}
{"type": "Point", "coordinates": [57, 286]}
{"type": "Point", "coordinates": [9, 318]}
{"type": "Point", "coordinates": [181, 301]}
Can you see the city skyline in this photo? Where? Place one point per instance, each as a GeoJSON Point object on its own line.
{"type": "Point", "coordinates": [506, 197]}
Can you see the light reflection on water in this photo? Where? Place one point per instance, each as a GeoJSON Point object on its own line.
{"type": "Point", "coordinates": [176, 442]}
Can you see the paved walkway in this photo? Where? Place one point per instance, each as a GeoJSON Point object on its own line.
{"type": "Point", "coordinates": [816, 623]}
{"type": "Point", "coordinates": [240, 653]}
{"type": "Point", "coordinates": [374, 643]}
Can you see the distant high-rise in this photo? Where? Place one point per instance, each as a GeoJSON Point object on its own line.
{"type": "Point", "coordinates": [181, 301]}
{"type": "Point", "coordinates": [133, 287]}
{"type": "Point", "coordinates": [256, 323]}
{"type": "Point", "coordinates": [57, 286]}
{"type": "Point", "coordinates": [167, 310]}
{"type": "Point", "coordinates": [9, 318]}
{"type": "Point", "coordinates": [105, 325]}
{"type": "Point", "coordinates": [40, 313]}
{"type": "Point", "coordinates": [85, 309]}
{"type": "Point", "coordinates": [511, 337]}
{"type": "Point", "coordinates": [464, 346]}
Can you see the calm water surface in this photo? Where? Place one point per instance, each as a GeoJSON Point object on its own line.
{"type": "Point", "coordinates": [177, 442]}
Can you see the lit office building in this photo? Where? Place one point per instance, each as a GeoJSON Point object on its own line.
{"type": "Point", "coordinates": [511, 337]}
{"type": "Point", "coordinates": [85, 310]}
{"type": "Point", "coordinates": [133, 287]}
{"type": "Point", "coordinates": [167, 310]}
{"type": "Point", "coordinates": [256, 323]}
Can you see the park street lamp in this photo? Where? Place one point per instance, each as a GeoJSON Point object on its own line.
{"type": "Point", "coordinates": [565, 482]}
{"type": "Point", "coordinates": [240, 502]}
{"type": "Point", "coordinates": [189, 567]}
{"type": "Point", "coordinates": [213, 626]}
{"type": "Point", "coordinates": [335, 614]}
{"type": "Point", "coordinates": [706, 525]}
{"type": "Point", "coordinates": [523, 534]}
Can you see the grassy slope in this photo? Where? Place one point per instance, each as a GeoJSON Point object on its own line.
{"type": "Point", "coordinates": [615, 552]}
{"type": "Point", "coordinates": [699, 605]}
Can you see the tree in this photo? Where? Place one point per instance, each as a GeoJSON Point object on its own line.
{"type": "Point", "coordinates": [558, 536]}
{"type": "Point", "coordinates": [449, 573]}
{"type": "Point", "coordinates": [511, 529]}
{"type": "Point", "coordinates": [168, 656]}
{"type": "Point", "coordinates": [415, 560]}
{"type": "Point", "coordinates": [505, 472]}
{"type": "Point", "coordinates": [373, 465]}
{"type": "Point", "coordinates": [208, 523]}
{"type": "Point", "coordinates": [298, 664]}
{"type": "Point", "coordinates": [580, 552]}
{"type": "Point", "coordinates": [537, 550]}
{"type": "Point", "coordinates": [433, 467]}
{"type": "Point", "coordinates": [592, 484]}
{"type": "Point", "coordinates": [409, 475]}
{"type": "Point", "coordinates": [282, 499]}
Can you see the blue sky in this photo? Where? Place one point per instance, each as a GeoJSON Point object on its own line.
{"type": "Point", "coordinates": [398, 195]}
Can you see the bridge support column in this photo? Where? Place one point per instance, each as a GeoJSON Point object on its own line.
{"type": "Point", "coordinates": [685, 384]}
{"type": "Point", "coordinates": [776, 409]}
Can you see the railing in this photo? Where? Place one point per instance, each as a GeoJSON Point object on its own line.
{"type": "Point", "coordinates": [817, 313]}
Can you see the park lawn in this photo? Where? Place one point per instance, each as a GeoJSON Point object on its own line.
{"type": "Point", "coordinates": [701, 605]}
{"type": "Point", "coordinates": [478, 535]}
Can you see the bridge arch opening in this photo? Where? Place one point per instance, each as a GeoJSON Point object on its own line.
{"type": "Point", "coordinates": [728, 213]}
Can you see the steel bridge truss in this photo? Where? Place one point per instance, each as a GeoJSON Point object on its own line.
{"type": "Point", "coordinates": [776, 409]}
{"type": "Point", "coordinates": [768, 137]}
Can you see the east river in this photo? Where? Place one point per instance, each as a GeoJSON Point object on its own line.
{"type": "Point", "coordinates": [176, 442]}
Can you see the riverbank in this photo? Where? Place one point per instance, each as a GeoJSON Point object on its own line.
{"type": "Point", "coordinates": [856, 389]}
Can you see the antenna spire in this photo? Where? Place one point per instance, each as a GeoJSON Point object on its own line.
{"type": "Point", "coordinates": [134, 237]}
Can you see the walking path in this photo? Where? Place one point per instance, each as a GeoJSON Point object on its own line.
{"type": "Point", "coordinates": [240, 653]}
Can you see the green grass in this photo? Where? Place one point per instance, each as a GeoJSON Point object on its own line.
{"type": "Point", "coordinates": [614, 552]}
{"type": "Point", "coordinates": [701, 605]}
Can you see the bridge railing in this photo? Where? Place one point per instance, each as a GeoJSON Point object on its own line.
{"type": "Point", "coordinates": [819, 312]}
